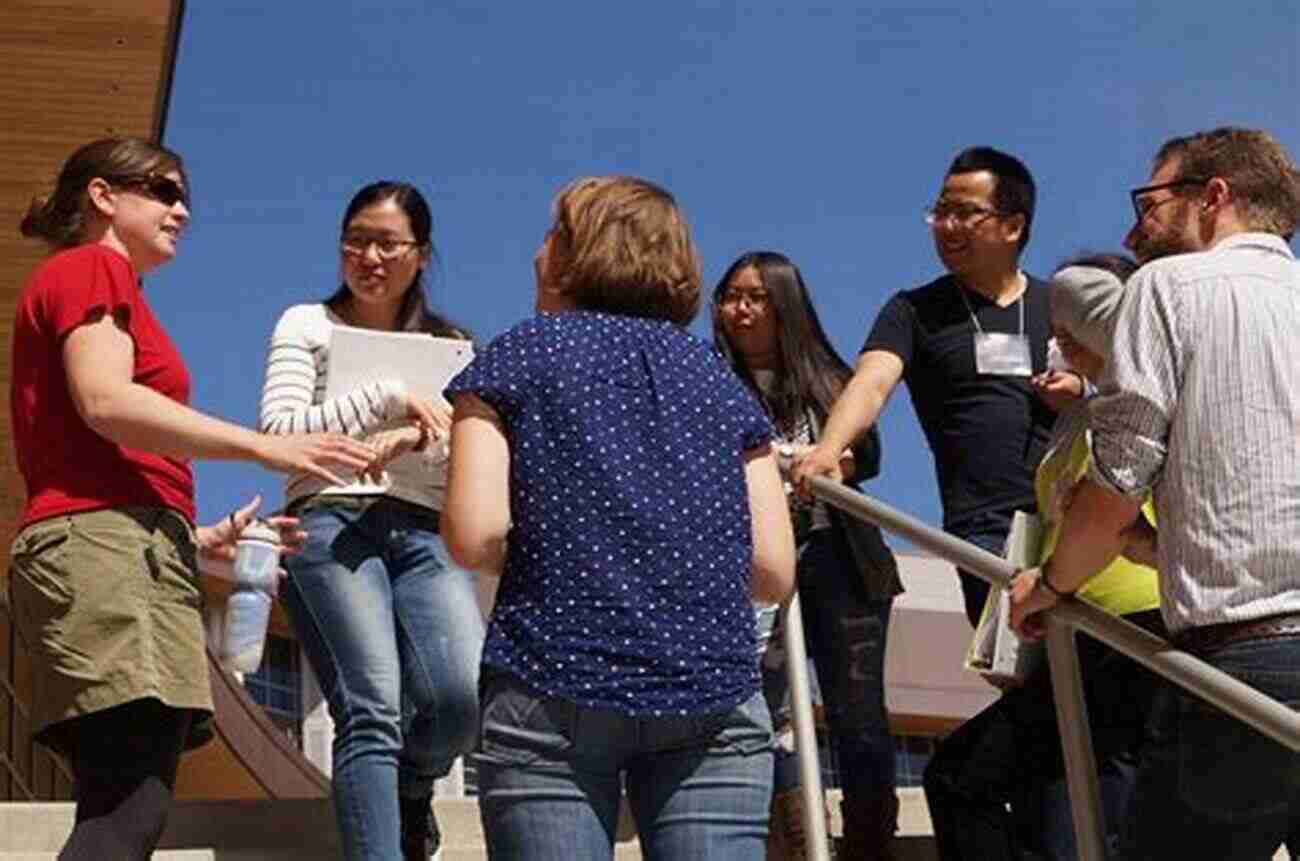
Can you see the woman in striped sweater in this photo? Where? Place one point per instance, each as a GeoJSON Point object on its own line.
{"type": "Point", "coordinates": [385, 617]}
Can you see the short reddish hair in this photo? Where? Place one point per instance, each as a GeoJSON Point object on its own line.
{"type": "Point", "coordinates": [620, 244]}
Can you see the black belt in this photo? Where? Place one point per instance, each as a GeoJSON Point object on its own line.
{"type": "Point", "coordinates": [363, 501]}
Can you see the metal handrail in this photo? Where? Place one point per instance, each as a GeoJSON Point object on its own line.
{"type": "Point", "coordinates": [1216, 687]}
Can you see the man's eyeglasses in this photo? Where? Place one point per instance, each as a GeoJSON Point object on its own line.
{"type": "Point", "coordinates": [1142, 209]}
{"type": "Point", "coordinates": [163, 189]}
{"type": "Point", "coordinates": [962, 215]}
{"type": "Point", "coordinates": [755, 298]}
{"type": "Point", "coordinates": [357, 244]}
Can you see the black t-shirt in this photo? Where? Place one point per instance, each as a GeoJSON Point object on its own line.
{"type": "Point", "coordinates": [987, 432]}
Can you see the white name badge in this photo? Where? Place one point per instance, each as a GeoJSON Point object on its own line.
{"type": "Point", "coordinates": [1003, 355]}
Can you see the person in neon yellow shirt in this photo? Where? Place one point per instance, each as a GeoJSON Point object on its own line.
{"type": "Point", "coordinates": [1010, 754]}
{"type": "Point", "coordinates": [1084, 300]}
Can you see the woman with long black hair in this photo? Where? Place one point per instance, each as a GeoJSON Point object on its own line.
{"type": "Point", "coordinates": [765, 325]}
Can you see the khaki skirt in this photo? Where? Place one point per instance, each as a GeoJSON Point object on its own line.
{"type": "Point", "coordinates": [109, 607]}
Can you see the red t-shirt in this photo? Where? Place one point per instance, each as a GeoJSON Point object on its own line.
{"type": "Point", "coordinates": [67, 466]}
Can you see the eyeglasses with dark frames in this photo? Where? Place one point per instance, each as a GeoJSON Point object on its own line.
{"type": "Point", "coordinates": [756, 299]}
{"type": "Point", "coordinates": [962, 215]}
{"type": "Point", "coordinates": [1136, 195]}
{"type": "Point", "coordinates": [163, 189]}
{"type": "Point", "coordinates": [388, 248]}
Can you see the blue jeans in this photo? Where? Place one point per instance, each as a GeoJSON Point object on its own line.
{"type": "Point", "coordinates": [394, 633]}
{"type": "Point", "coordinates": [1116, 776]}
{"type": "Point", "coordinates": [551, 772]}
{"type": "Point", "coordinates": [1208, 785]}
{"type": "Point", "coordinates": [987, 531]}
{"type": "Point", "coordinates": [846, 634]}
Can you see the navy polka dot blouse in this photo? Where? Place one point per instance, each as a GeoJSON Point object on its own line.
{"type": "Point", "coordinates": [626, 582]}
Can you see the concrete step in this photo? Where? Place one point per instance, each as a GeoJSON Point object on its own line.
{"type": "Point", "coordinates": [293, 830]}
{"type": "Point", "coordinates": [299, 830]}
{"type": "Point", "coordinates": [174, 855]}
{"type": "Point", "coordinates": [169, 855]}
{"type": "Point", "coordinates": [304, 830]}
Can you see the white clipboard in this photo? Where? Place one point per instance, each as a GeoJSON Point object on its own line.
{"type": "Point", "coordinates": [425, 363]}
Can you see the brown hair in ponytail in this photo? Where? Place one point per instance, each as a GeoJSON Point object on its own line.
{"type": "Point", "coordinates": [60, 217]}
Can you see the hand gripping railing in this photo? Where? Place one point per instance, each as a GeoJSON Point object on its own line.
{"type": "Point", "coordinates": [1214, 686]}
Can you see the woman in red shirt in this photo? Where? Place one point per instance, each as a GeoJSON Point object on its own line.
{"type": "Point", "coordinates": [104, 587]}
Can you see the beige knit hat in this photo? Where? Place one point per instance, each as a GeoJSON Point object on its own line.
{"type": "Point", "coordinates": [1084, 301]}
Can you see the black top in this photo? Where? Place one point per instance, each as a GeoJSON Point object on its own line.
{"type": "Point", "coordinates": [987, 432]}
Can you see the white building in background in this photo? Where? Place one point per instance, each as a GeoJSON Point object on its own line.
{"type": "Point", "coordinates": [928, 639]}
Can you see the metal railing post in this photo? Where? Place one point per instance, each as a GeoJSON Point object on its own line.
{"type": "Point", "coordinates": [1076, 742]}
{"type": "Point", "coordinates": [816, 834]}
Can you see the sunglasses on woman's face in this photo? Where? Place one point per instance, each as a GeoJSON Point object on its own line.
{"type": "Point", "coordinates": [165, 190]}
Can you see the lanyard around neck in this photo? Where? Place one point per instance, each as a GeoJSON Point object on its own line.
{"type": "Point", "coordinates": [961, 291]}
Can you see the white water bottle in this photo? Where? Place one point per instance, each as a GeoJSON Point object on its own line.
{"type": "Point", "coordinates": [248, 611]}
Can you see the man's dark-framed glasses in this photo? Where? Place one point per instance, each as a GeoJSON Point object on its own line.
{"type": "Point", "coordinates": [1137, 194]}
{"type": "Point", "coordinates": [963, 215]}
{"type": "Point", "coordinates": [163, 189]}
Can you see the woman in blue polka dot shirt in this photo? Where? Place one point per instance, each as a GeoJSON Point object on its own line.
{"type": "Point", "coordinates": [620, 479]}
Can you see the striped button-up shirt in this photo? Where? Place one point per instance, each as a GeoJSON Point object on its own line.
{"type": "Point", "coordinates": [1200, 403]}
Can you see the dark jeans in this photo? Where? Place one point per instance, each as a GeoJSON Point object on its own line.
{"type": "Point", "coordinates": [124, 762]}
{"type": "Point", "coordinates": [1010, 754]}
{"type": "Point", "coordinates": [846, 633]}
{"type": "Point", "coordinates": [1208, 785]}
{"type": "Point", "coordinates": [987, 532]}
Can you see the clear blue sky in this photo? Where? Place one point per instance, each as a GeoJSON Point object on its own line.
{"type": "Point", "coordinates": [820, 130]}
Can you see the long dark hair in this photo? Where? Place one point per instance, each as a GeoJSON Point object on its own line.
{"type": "Point", "coordinates": [415, 314]}
{"type": "Point", "coordinates": [812, 374]}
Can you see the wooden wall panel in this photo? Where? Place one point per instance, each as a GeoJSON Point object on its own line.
{"type": "Point", "coordinates": [72, 71]}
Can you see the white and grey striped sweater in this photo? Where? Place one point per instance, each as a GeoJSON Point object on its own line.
{"type": "Point", "coordinates": [293, 401]}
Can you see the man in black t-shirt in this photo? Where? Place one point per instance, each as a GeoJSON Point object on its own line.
{"type": "Point", "coordinates": [967, 344]}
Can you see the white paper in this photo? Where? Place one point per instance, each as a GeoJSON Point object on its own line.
{"type": "Point", "coordinates": [426, 364]}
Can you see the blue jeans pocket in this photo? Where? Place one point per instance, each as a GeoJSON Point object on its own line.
{"type": "Point", "coordinates": [520, 727]}
{"type": "Point", "coordinates": [1257, 778]}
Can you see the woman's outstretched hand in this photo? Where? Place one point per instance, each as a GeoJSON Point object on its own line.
{"type": "Point", "coordinates": [316, 454]}
{"type": "Point", "coordinates": [217, 542]}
